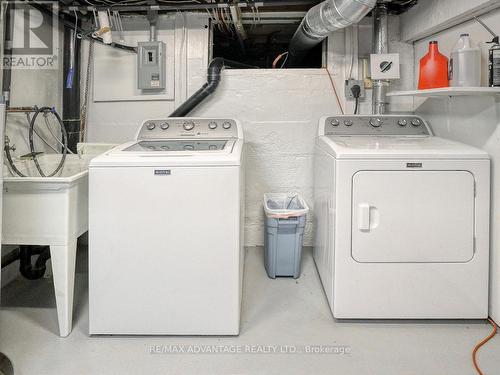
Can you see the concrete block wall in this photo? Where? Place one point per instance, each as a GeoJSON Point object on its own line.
{"type": "Point", "coordinates": [280, 112]}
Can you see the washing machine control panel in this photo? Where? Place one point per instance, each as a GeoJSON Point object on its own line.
{"type": "Point", "coordinates": [188, 128]}
{"type": "Point", "coordinates": [374, 125]}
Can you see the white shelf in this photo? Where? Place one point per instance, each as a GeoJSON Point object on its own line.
{"type": "Point", "coordinates": [450, 91]}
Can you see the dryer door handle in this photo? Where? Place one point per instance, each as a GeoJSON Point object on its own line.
{"type": "Point", "coordinates": [364, 217]}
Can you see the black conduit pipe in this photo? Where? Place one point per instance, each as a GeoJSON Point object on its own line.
{"type": "Point", "coordinates": [8, 36]}
{"type": "Point", "coordinates": [213, 78]}
{"type": "Point", "coordinates": [71, 90]}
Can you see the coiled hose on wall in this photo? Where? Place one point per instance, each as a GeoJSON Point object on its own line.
{"type": "Point", "coordinates": [45, 111]}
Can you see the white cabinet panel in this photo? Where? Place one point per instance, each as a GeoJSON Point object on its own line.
{"type": "Point", "coordinates": [163, 257]}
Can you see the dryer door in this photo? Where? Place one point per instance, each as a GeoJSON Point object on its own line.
{"type": "Point", "coordinates": [413, 216]}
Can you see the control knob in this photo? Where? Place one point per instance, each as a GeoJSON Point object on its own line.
{"type": "Point", "coordinates": [415, 122]}
{"type": "Point", "coordinates": [188, 125]}
{"type": "Point", "coordinates": [226, 125]}
{"type": "Point", "coordinates": [150, 125]}
{"type": "Point", "coordinates": [376, 122]}
{"type": "Point", "coordinates": [348, 122]}
{"type": "Point", "coordinates": [402, 122]}
{"type": "Point", "coordinates": [335, 122]}
{"type": "Point", "coordinates": [164, 125]}
{"type": "Point", "coordinates": [212, 125]}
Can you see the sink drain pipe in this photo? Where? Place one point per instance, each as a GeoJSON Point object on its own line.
{"type": "Point", "coordinates": [321, 20]}
{"type": "Point", "coordinates": [29, 270]}
{"type": "Point", "coordinates": [213, 78]}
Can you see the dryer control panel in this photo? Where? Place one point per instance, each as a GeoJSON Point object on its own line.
{"type": "Point", "coordinates": [374, 125]}
{"type": "Point", "coordinates": [188, 127]}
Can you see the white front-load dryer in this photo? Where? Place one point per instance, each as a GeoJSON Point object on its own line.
{"type": "Point", "coordinates": [166, 230]}
{"type": "Point", "coordinates": [402, 220]}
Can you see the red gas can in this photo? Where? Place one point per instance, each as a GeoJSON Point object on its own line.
{"type": "Point", "coordinates": [433, 69]}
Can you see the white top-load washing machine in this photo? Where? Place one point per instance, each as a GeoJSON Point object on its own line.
{"type": "Point", "coordinates": [402, 220]}
{"type": "Point", "coordinates": [166, 230]}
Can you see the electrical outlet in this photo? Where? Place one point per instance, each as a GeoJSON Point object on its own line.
{"type": "Point", "coordinates": [349, 83]}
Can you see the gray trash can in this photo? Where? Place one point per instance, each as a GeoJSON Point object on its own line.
{"type": "Point", "coordinates": [285, 221]}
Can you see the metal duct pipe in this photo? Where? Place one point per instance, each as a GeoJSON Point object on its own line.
{"type": "Point", "coordinates": [153, 33]}
{"type": "Point", "coordinates": [153, 19]}
{"type": "Point", "coordinates": [380, 45]}
{"type": "Point", "coordinates": [322, 19]}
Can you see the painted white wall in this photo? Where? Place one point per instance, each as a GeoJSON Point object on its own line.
{"type": "Point", "coordinates": [186, 39]}
{"type": "Point", "coordinates": [279, 112]}
{"type": "Point", "coordinates": [475, 121]}
{"type": "Point", "coordinates": [432, 16]}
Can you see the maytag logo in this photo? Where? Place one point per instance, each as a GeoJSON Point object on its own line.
{"type": "Point", "coordinates": [162, 172]}
{"type": "Point", "coordinates": [413, 165]}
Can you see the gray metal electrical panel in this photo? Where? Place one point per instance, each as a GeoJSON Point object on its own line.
{"type": "Point", "coordinates": [151, 65]}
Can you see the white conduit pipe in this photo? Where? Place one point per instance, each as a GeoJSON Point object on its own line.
{"type": "Point", "coordinates": [104, 28]}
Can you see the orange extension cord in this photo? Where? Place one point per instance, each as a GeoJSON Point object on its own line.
{"type": "Point", "coordinates": [335, 90]}
{"type": "Point", "coordinates": [278, 58]}
{"type": "Point", "coordinates": [480, 344]}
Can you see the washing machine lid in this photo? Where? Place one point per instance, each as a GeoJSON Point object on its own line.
{"type": "Point", "coordinates": [180, 152]}
{"type": "Point", "coordinates": [398, 147]}
{"type": "Point", "coordinates": [180, 146]}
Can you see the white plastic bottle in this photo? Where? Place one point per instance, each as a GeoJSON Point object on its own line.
{"type": "Point", "coordinates": [465, 64]}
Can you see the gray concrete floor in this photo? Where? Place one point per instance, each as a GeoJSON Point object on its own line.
{"type": "Point", "coordinates": [282, 320]}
